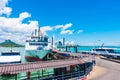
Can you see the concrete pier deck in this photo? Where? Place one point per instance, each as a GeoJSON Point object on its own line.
{"type": "Point", "coordinates": [105, 70]}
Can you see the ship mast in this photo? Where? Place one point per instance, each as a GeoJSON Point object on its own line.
{"type": "Point", "coordinates": [38, 33]}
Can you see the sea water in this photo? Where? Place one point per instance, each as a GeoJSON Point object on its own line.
{"type": "Point", "coordinates": [23, 75]}
{"type": "Point", "coordinates": [22, 53]}
{"type": "Point", "coordinates": [89, 48]}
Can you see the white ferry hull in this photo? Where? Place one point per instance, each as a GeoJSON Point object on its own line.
{"type": "Point", "coordinates": [10, 59]}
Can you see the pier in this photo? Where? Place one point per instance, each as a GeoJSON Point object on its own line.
{"type": "Point", "coordinates": [105, 70]}
{"type": "Point", "coordinates": [26, 67]}
{"type": "Point", "coordinates": [74, 47]}
{"type": "Point", "coordinates": [86, 63]}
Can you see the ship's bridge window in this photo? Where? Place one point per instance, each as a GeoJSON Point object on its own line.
{"type": "Point", "coordinates": [45, 39]}
{"type": "Point", "coordinates": [42, 41]}
{"type": "Point", "coordinates": [44, 44]}
{"type": "Point", "coordinates": [33, 40]}
{"type": "Point", "coordinates": [27, 40]}
{"type": "Point", "coordinates": [99, 49]}
{"type": "Point", "coordinates": [110, 51]}
{"type": "Point", "coordinates": [39, 40]}
{"type": "Point", "coordinates": [10, 53]}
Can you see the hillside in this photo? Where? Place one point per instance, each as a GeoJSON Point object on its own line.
{"type": "Point", "coordinates": [9, 43]}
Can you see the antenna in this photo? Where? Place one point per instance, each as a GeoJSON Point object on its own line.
{"type": "Point", "coordinates": [11, 46]}
{"type": "Point", "coordinates": [102, 45]}
{"type": "Point", "coordinates": [63, 41]}
{"type": "Point", "coordinates": [38, 33]}
{"type": "Point", "coordinates": [52, 41]}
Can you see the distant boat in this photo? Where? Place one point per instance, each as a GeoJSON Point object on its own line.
{"type": "Point", "coordinates": [107, 52]}
{"type": "Point", "coordinates": [9, 57]}
{"type": "Point", "coordinates": [37, 46]}
{"type": "Point", "coordinates": [102, 50]}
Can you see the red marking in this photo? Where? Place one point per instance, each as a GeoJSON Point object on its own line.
{"type": "Point", "coordinates": [32, 59]}
{"type": "Point", "coordinates": [28, 75]}
{"type": "Point", "coordinates": [84, 78]}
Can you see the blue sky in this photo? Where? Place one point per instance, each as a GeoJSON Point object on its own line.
{"type": "Point", "coordinates": [96, 19]}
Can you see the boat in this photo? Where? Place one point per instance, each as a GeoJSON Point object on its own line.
{"type": "Point", "coordinates": [10, 57]}
{"type": "Point", "coordinates": [107, 52]}
{"type": "Point", "coordinates": [102, 50]}
{"type": "Point", "coordinates": [37, 46]}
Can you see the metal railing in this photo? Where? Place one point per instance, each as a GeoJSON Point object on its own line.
{"type": "Point", "coordinates": [50, 76]}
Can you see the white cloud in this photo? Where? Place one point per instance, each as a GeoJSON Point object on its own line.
{"type": "Point", "coordinates": [70, 43]}
{"type": "Point", "coordinates": [45, 29]}
{"type": "Point", "coordinates": [16, 30]}
{"type": "Point", "coordinates": [80, 31]}
{"type": "Point", "coordinates": [59, 26]}
{"type": "Point", "coordinates": [66, 31]}
{"type": "Point", "coordinates": [17, 37]}
{"type": "Point", "coordinates": [24, 15]}
{"type": "Point", "coordinates": [16, 25]}
{"type": "Point", "coordinates": [64, 28]}
{"type": "Point", "coordinates": [3, 9]}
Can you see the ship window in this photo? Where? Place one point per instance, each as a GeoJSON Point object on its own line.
{"type": "Point", "coordinates": [39, 40]}
{"type": "Point", "coordinates": [33, 40]}
{"type": "Point", "coordinates": [44, 44]}
{"type": "Point", "coordinates": [46, 39]}
{"type": "Point", "coordinates": [110, 51]}
{"type": "Point", "coordinates": [27, 40]}
{"type": "Point", "coordinates": [10, 54]}
{"type": "Point", "coordinates": [99, 49]}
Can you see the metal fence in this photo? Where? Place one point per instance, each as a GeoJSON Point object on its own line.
{"type": "Point", "coordinates": [64, 76]}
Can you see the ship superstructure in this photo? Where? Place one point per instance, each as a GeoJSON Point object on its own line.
{"type": "Point", "coordinates": [37, 46]}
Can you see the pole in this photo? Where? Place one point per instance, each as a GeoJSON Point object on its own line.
{"type": "Point", "coordinates": [66, 49]}
{"type": "Point", "coordinates": [63, 41]}
{"type": "Point", "coordinates": [15, 76]}
{"type": "Point", "coordinates": [76, 49]}
{"type": "Point", "coordinates": [28, 75]}
{"type": "Point", "coordinates": [52, 41]}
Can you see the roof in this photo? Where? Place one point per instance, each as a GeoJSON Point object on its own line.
{"type": "Point", "coordinates": [32, 66]}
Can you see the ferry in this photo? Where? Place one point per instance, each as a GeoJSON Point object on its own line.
{"type": "Point", "coordinates": [107, 52]}
{"type": "Point", "coordinates": [37, 46]}
{"type": "Point", "coordinates": [102, 50]}
{"type": "Point", "coordinates": [10, 57]}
